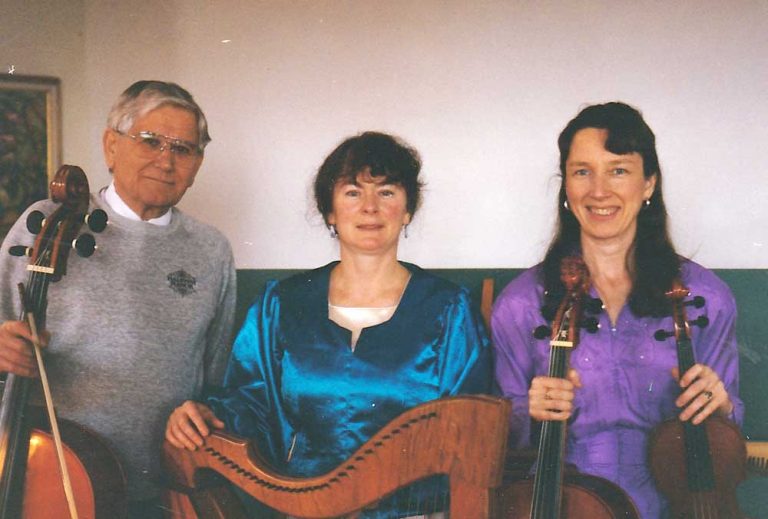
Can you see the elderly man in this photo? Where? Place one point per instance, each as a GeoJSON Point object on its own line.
{"type": "Point", "coordinates": [145, 323]}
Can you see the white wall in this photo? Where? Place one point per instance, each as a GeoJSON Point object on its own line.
{"type": "Point", "coordinates": [481, 89]}
{"type": "Point", "coordinates": [48, 39]}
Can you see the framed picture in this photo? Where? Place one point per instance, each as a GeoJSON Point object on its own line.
{"type": "Point", "coordinates": [30, 142]}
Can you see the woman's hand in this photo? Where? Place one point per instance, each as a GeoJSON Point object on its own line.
{"type": "Point", "coordinates": [551, 398]}
{"type": "Point", "coordinates": [189, 424]}
{"type": "Point", "coordinates": [704, 394]}
{"type": "Point", "coordinates": [16, 353]}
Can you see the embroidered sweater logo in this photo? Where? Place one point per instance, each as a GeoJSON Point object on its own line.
{"type": "Point", "coordinates": [182, 282]}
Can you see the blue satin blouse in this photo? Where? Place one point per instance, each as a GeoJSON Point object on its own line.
{"type": "Point", "coordinates": [295, 386]}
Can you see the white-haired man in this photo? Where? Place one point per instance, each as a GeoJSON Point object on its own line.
{"type": "Point", "coordinates": [146, 322]}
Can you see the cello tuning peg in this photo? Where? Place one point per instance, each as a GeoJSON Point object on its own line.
{"type": "Point", "coordinates": [701, 321]}
{"type": "Point", "coordinates": [542, 332]}
{"type": "Point", "coordinates": [661, 335]}
{"type": "Point", "coordinates": [85, 244]}
{"type": "Point", "coordinates": [590, 324]}
{"type": "Point", "coordinates": [696, 302]}
{"type": "Point", "coordinates": [20, 250]}
{"type": "Point", "coordinates": [96, 221]}
{"type": "Point", "coordinates": [35, 221]}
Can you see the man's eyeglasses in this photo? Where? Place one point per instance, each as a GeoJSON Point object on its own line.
{"type": "Point", "coordinates": [152, 144]}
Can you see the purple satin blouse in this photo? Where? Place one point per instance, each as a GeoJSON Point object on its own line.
{"type": "Point", "coordinates": [627, 385]}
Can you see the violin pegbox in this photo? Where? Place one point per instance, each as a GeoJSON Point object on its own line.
{"type": "Point", "coordinates": [677, 296]}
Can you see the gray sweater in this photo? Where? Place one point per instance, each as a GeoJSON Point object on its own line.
{"type": "Point", "coordinates": [137, 328]}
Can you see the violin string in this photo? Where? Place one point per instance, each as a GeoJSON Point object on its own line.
{"type": "Point", "coordinates": [552, 434]}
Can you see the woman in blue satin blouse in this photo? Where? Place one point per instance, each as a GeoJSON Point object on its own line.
{"type": "Point", "coordinates": [326, 358]}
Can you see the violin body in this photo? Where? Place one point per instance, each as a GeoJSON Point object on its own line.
{"type": "Point", "coordinates": [584, 496]}
{"type": "Point", "coordinates": [668, 466]}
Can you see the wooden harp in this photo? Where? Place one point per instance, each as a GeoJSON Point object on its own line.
{"type": "Point", "coordinates": [461, 437]}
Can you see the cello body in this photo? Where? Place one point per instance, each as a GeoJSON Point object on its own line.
{"type": "Point", "coordinates": [461, 437]}
{"type": "Point", "coordinates": [97, 478]}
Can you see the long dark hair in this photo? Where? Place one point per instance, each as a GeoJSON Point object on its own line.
{"type": "Point", "coordinates": [654, 263]}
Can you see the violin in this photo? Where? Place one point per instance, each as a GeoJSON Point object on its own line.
{"type": "Point", "coordinates": [697, 467]}
{"type": "Point", "coordinates": [53, 469]}
{"type": "Point", "coordinates": [556, 493]}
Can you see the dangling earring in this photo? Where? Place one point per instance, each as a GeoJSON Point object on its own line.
{"type": "Point", "coordinates": [565, 204]}
{"type": "Point", "coordinates": [647, 202]}
{"type": "Point", "coordinates": [332, 231]}
{"type": "Point", "coordinates": [405, 231]}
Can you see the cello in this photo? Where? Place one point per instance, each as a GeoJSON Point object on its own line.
{"type": "Point", "coordinates": [697, 467]}
{"type": "Point", "coordinates": [38, 454]}
{"type": "Point", "coordinates": [556, 493]}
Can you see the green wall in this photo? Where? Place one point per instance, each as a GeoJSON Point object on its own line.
{"type": "Point", "coordinates": [750, 287]}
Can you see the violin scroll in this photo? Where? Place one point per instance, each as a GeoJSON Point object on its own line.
{"type": "Point", "coordinates": [574, 275]}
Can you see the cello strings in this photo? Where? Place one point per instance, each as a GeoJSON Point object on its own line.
{"type": "Point", "coordinates": [38, 285]}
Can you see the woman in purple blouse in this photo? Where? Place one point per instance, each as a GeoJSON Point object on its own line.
{"type": "Point", "coordinates": [623, 382]}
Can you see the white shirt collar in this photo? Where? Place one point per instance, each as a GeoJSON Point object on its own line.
{"type": "Point", "coordinates": [117, 204]}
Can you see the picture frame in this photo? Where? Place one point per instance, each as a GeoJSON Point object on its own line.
{"type": "Point", "coordinates": [30, 142]}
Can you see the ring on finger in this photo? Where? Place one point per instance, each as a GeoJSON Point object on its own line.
{"type": "Point", "coordinates": [708, 395]}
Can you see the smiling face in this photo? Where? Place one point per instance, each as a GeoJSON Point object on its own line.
{"type": "Point", "coordinates": [150, 185]}
{"type": "Point", "coordinates": [605, 191]}
{"type": "Point", "coordinates": [368, 215]}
